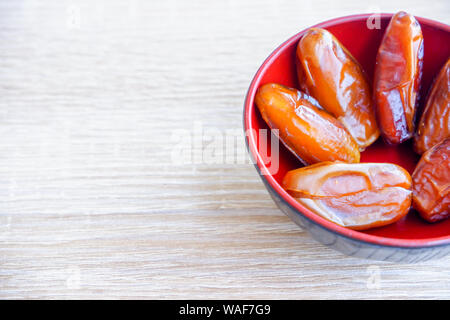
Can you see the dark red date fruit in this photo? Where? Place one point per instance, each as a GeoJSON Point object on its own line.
{"type": "Point", "coordinates": [434, 125]}
{"type": "Point", "coordinates": [398, 72]}
{"type": "Point", "coordinates": [431, 183]}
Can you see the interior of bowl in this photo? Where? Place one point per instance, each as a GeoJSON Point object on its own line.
{"type": "Point", "coordinates": [363, 43]}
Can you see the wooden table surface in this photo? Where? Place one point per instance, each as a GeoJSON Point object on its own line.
{"type": "Point", "coordinates": [104, 109]}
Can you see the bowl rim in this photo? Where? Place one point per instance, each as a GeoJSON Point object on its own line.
{"type": "Point", "coordinates": [276, 187]}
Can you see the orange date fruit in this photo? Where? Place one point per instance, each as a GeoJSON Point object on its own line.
{"type": "Point", "coordinates": [308, 131]}
{"type": "Point", "coordinates": [434, 125]}
{"type": "Point", "coordinates": [431, 183]}
{"type": "Point", "coordinates": [327, 71]}
{"type": "Point", "coordinates": [398, 71]}
{"type": "Point", "coordinates": [357, 196]}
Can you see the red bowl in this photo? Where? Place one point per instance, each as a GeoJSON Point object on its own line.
{"type": "Point", "coordinates": [410, 239]}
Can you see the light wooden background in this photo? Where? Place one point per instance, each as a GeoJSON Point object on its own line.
{"type": "Point", "coordinates": [95, 202]}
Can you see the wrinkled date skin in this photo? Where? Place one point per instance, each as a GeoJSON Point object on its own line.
{"type": "Point", "coordinates": [434, 125]}
{"type": "Point", "coordinates": [398, 71]}
{"type": "Point", "coordinates": [431, 183]}
{"type": "Point", "coordinates": [327, 71]}
{"type": "Point", "coordinates": [310, 132]}
{"type": "Point", "coordinates": [357, 196]}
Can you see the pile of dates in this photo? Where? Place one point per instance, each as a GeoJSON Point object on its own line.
{"type": "Point", "coordinates": [337, 113]}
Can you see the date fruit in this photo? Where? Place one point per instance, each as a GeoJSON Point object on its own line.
{"type": "Point", "coordinates": [398, 71]}
{"type": "Point", "coordinates": [357, 196]}
{"type": "Point", "coordinates": [434, 125]}
{"type": "Point", "coordinates": [327, 71]}
{"type": "Point", "coordinates": [431, 183]}
{"type": "Point", "coordinates": [310, 132]}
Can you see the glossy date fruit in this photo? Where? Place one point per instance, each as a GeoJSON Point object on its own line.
{"type": "Point", "coordinates": [398, 71]}
{"type": "Point", "coordinates": [310, 132]}
{"type": "Point", "coordinates": [356, 196]}
{"type": "Point", "coordinates": [431, 183]}
{"type": "Point", "coordinates": [327, 71]}
{"type": "Point", "coordinates": [434, 125]}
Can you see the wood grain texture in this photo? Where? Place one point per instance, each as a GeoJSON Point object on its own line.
{"type": "Point", "coordinates": [93, 202]}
